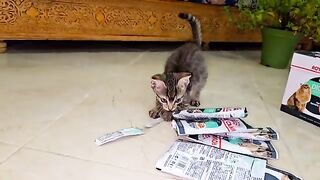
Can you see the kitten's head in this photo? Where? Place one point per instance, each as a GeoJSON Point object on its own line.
{"type": "Point", "coordinates": [170, 88]}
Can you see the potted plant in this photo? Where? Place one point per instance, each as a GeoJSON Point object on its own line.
{"type": "Point", "coordinates": [283, 23]}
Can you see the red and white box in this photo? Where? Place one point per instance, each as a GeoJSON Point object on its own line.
{"type": "Point", "coordinates": [302, 94]}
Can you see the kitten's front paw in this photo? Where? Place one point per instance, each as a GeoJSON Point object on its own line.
{"type": "Point", "coordinates": [153, 113]}
{"type": "Point", "coordinates": [195, 103]}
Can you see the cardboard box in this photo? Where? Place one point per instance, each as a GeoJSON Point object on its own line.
{"type": "Point", "coordinates": [302, 94]}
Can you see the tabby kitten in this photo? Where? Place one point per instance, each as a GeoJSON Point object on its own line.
{"type": "Point", "coordinates": [300, 98]}
{"type": "Point", "coordinates": [184, 76]}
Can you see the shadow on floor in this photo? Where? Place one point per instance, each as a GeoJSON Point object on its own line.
{"type": "Point", "coordinates": [108, 46]}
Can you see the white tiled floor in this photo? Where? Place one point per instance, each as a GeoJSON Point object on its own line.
{"type": "Point", "coordinates": [53, 106]}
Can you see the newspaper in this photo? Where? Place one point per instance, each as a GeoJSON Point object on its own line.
{"type": "Point", "coordinates": [213, 126]}
{"type": "Point", "coordinates": [277, 174]}
{"type": "Point", "coordinates": [255, 148]}
{"type": "Point", "coordinates": [117, 135]}
{"type": "Point", "coordinates": [259, 134]}
{"type": "Point", "coordinates": [195, 114]}
{"type": "Point", "coordinates": [196, 161]}
{"type": "Point", "coordinates": [153, 122]}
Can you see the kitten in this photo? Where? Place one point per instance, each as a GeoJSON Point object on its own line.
{"type": "Point", "coordinates": [300, 98]}
{"type": "Point", "coordinates": [184, 76]}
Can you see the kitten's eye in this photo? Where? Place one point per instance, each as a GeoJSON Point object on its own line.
{"type": "Point", "coordinates": [179, 100]}
{"type": "Point", "coordinates": [163, 100]}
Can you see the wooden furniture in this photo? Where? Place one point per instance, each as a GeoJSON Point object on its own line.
{"type": "Point", "coordinates": [125, 20]}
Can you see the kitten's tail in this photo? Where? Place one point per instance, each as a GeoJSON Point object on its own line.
{"type": "Point", "coordinates": [195, 26]}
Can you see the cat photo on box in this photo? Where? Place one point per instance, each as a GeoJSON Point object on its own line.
{"type": "Point", "coordinates": [302, 94]}
{"type": "Point", "coordinates": [300, 98]}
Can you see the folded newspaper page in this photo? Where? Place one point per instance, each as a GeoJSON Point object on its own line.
{"type": "Point", "coordinates": [259, 134]}
{"type": "Point", "coordinates": [277, 174]}
{"type": "Point", "coordinates": [117, 135]}
{"type": "Point", "coordinates": [212, 126]}
{"type": "Point", "coordinates": [153, 122]}
{"type": "Point", "coordinates": [209, 113]}
{"type": "Point", "coordinates": [196, 161]}
{"type": "Point", "coordinates": [255, 148]}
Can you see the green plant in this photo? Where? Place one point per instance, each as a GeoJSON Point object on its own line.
{"type": "Point", "coordinates": [298, 16]}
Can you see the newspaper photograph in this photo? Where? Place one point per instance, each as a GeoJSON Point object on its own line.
{"type": "Point", "coordinates": [212, 126]}
{"type": "Point", "coordinates": [277, 174]}
{"type": "Point", "coordinates": [255, 148]}
{"type": "Point", "coordinates": [258, 134]}
{"type": "Point", "coordinates": [209, 113]}
{"type": "Point", "coordinates": [201, 162]}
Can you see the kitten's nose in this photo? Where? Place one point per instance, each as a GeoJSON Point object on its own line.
{"type": "Point", "coordinates": [170, 107]}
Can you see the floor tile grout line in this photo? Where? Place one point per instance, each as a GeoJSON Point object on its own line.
{"type": "Point", "coordinates": [133, 61]}
{"type": "Point", "coordinates": [58, 154]}
{"type": "Point", "coordinates": [9, 144]}
{"type": "Point", "coordinates": [47, 127]}
{"type": "Point", "coordinates": [284, 142]}
{"type": "Point", "coordinates": [274, 122]}
{"type": "Point", "coordinates": [83, 159]}
{"type": "Point", "coordinates": [136, 59]}
{"type": "Point", "coordinates": [260, 96]}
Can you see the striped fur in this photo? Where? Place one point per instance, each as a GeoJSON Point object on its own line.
{"type": "Point", "coordinates": [195, 26]}
{"type": "Point", "coordinates": [184, 76]}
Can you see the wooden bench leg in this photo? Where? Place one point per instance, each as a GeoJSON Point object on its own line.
{"type": "Point", "coordinates": [3, 46]}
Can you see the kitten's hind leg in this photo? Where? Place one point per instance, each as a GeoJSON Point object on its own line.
{"type": "Point", "coordinates": [190, 97]}
{"type": "Point", "coordinates": [195, 103]}
{"type": "Point", "coordinates": [195, 91]}
{"type": "Point", "coordinates": [155, 112]}
{"type": "Point", "coordinates": [195, 97]}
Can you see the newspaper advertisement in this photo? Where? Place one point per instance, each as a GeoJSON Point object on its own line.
{"type": "Point", "coordinates": [262, 149]}
{"type": "Point", "coordinates": [277, 174]}
{"type": "Point", "coordinates": [209, 113]}
{"type": "Point", "coordinates": [258, 134]}
{"type": "Point", "coordinates": [212, 126]}
{"type": "Point", "coordinates": [196, 161]}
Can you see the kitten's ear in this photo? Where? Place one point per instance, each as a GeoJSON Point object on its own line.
{"type": "Point", "coordinates": [158, 85]}
{"type": "Point", "coordinates": [184, 80]}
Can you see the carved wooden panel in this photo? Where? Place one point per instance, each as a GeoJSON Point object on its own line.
{"type": "Point", "coordinates": [112, 20]}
